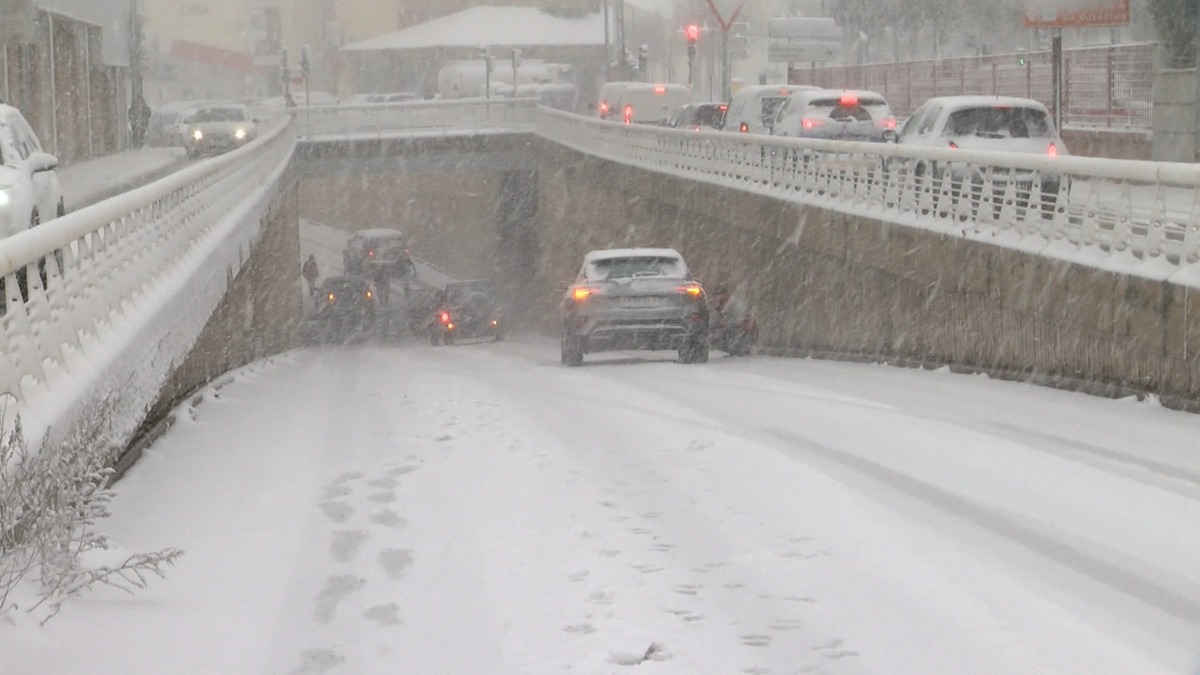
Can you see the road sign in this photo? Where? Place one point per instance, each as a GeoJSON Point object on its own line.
{"type": "Point", "coordinates": [1076, 13]}
{"type": "Point", "coordinates": [737, 42]}
{"type": "Point", "coordinates": [788, 52]}
{"type": "Point", "coordinates": [804, 28]}
{"type": "Point", "coordinates": [739, 54]}
{"type": "Point", "coordinates": [739, 29]}
{"type": "Point", "coordinates": [732, 12]}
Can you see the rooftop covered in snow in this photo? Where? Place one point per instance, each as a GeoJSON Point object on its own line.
{"type": "Point", "coordinates": [492, 26]}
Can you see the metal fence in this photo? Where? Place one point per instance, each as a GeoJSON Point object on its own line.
{"type": "Point", "coordinates": [1104, 87]}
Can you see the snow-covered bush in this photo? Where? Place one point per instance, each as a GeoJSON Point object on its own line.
{"type": "Point", "coordinates": [49, 505]}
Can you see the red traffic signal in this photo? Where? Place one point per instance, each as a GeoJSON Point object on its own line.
{"type": "Point", "coordinates": [692, 33]}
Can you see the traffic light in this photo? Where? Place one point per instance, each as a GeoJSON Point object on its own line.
{"type": "Point", "coordinates": [692, 33]}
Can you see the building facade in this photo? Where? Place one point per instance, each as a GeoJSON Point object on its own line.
{"type": "Point", "coordinates": [66, 65]}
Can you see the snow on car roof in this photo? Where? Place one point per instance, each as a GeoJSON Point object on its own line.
{"type": "Point", "coordinates": [609, 253]}
{"type": "Point", "coordinates": [772, 90]}
{"type": "Point", "coordinates": [971, 101]}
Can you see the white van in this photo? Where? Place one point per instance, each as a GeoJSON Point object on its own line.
{"type": "Point", "coordinates": [644, 103]}
{"type": "Point", "coordinates": [753, 108]}
{"type": "Point", "coordinates": [606, 105]}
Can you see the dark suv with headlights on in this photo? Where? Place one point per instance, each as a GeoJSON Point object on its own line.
{"type": "Point", "coordinates": [634, 298]}
{"type": "Point", "coordinates": [345, 309]}
{"type": "Point", "coordinates": [466, 309]}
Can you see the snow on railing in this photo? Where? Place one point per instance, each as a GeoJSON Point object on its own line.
{"type": "Point", "coordinates": [438, 118]}
{"type": "Point", "coordinates": [128, 281]}
{"type": "Point", "coordinates": [1135, 217]}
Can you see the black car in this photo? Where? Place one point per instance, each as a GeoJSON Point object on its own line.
{"type": "Point", "coordinates": [697, 116]}
{"type": "Point", "coordinates": [345, 308]}
{"type": "Point", "coordinates": [639, 298]}
{"type": "Point", "coordinates": [466, 309]}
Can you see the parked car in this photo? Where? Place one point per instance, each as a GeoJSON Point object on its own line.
{"type": "Point", "coordinates": [378, 251]}
{"type": "Point", "coordinates": [835, 114]}
{"type": "Point", "coordinates": [992, 123]}
{"type": "Point", "coordinates": [643, 103]}
{"type": "Point", "coordinates": [752, 109]}
{"type": "Point", "coordinates": [218, 128]}
{"type": "Point", "coordinates": [699, 116]}
{"type": "Point", "coordinates": [634, 298]}
{"type": "Point", "coordinates": [467, 309]}
{"type": "Point", "coordinates": [29, 189]}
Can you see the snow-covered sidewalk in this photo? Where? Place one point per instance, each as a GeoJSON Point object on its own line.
{"type": "Point", "coordinates": [94, 180]}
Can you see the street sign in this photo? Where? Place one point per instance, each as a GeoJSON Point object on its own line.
{"type": "Point", "coordinates": [738, 42]}
{"type": "Point", "coordinates": [739, 54]}
{"type": "Point", "coordinates": [739, 29]}
{"type": "Point", "coordinates": [788, 52]}
{"type": "Point", "coordinates": [804, 28]}
{"type": "Point", "coordinates": [1076, 13]}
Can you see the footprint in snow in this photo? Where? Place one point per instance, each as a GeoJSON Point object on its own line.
{"type": "Point", "coordinates": [384, 615]}
{"type": "Point", "coordinates": [388, 518]}
{"type": "Point", "coordinates": [346, 544]}
{"type": "Point", "coordinates": [316, 661]}
{"type": "Point", "coordinates": [338, 512]}
{"type": "Point", "coordinates": [395, 562]}
{"type": "Point", "coordinates": [336, 589]}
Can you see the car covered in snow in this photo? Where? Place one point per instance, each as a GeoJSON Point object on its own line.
{"type": "Point", "coordinates": [643, 103]}
{"type": "Point", "coordinates": [699, 116]}
{"type": "Point", "coordinates": [988, 123]}
{"type": "Point", "coordinates": [752, 109]}
{"type": "Point", "coordinates": [345, 309]}
{"type": "Point", "coordinates": [467, 309]}
{"type": "Point", "coordinates": [634, 298]}
{"type": "Point", "coordinates": [844, 115]}
{"type": "Point", "coordinates": [218, 128]}
{"type": "Point", "coordinates": [29, 189]}
{"type": "Point", "coordinates": [378, 251]}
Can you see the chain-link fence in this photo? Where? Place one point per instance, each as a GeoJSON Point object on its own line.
{"type": "Point", "coordinates": [1107, 87]}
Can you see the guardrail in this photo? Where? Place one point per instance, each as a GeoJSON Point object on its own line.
{"type": "Point", "coordinates": [439, 118]}
{"type": "Point", "coordinates": [147, 263]}
{"type": "Point", "coordinates": [1133, 216]}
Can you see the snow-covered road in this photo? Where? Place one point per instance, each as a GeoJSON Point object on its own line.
{"type": "Point", "coordinates": [482, 509]}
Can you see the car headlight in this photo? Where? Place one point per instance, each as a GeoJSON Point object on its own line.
{"type": "Point", "coordinates": [240, 134]}
{"type": "Point", "coordinates": [5, 196]}
{"type": "Point", "coordinates": [197, 135]}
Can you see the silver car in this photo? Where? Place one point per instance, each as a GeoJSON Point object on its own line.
{"type": "Point", "coordinates": [634, 298]}
{"type": "Point", "coordinates": [29, 190]}
{"type": "Point", "coordinates": [218, 128]}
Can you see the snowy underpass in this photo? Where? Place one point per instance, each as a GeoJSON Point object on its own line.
{"type": "Point", "coordinates": [403, 508]}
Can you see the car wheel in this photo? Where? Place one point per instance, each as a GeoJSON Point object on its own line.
{"type": "Point", "coordinates": [572, 351]}
{"type": "Point", "coordinates": [34, 219]}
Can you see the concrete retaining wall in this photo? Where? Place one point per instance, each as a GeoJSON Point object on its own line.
{"type": "Point", "coordinates": [822, 282]}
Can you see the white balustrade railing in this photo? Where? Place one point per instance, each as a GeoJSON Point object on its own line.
{"type": "Point", "coordinates": [439, 117]}
{"type": "Point", "coordinates": [126, 285]}
{"type": "Point", "coordinates": [1136, 217]}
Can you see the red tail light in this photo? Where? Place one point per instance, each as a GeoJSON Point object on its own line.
{"type": "Point", "coordinates": [660, 89]}
{"type": "Point", "coordinates": [371, 253]}
{"type": "Point", "coordinates": [628, 114]}
{"type": "Point", "coordinates": [1052, 150]}
{"type": "Point", "coordinates": [723, 108]}
{"type": "Point", "coordinates": [810, 124]}
{"type": "Point", "coordinates": [887, 123]}
{"type": "Point", "coordinates": [603, 108]}
{"type": "Point", "coordinates": [445, 317]}
{"type": "Point", "coordinates": [744, 128]}
{"type": "Point", "coordinates": [848, 101]}
{"type": "Point", "coordinates": [953, 145]}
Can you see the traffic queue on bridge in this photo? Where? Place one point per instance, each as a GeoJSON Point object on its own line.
{"type": "Point", "coordinates": [993, 123]}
